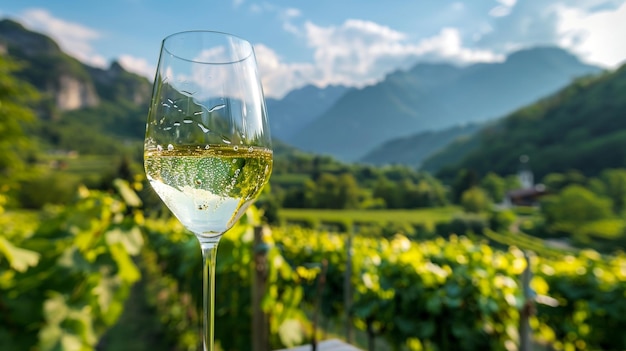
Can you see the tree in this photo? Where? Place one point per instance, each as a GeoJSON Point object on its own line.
{"type": "Point", "coordinates": [15, 96]}
{"type": "Point", "coordinates": [555, 182]}
{"type": "Point", "coordinates": [614, 181]}
{"type": "Point", "coordinates": [308, 198]}
{"type": "Point", "coordinates": [575, 206]}
{"type": "Point", "coordinates": [512, 182]}
{"type": "Point", "coordinates": [386, 190]}
{"type": "Point", "coordinates": [428, 192]}
{"type": "Point", "coordinates": [327, 191]}
{"type": "Point", "coordinates": [349, 192]}
{"type": "Point", "coordinates": [465, 179]}
{"type": "Point", "coordinates": [409, 195]}
{"type": "Point", "coordinates": [475, 200]}
{"type": "Point", "coordinates": [495, 186]}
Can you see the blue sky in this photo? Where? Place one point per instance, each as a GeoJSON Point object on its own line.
{"type": "Point", "coordinates": [350, 42]}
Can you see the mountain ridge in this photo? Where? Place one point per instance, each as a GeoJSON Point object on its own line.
{"type": "Point", "coordinates": [70, 83]}
{"type": "Point", "coordinates": [579, 127]}
{"type": "Point", "coordinates": [412, 150]}
{"type": "Point", "coordinates": [414, 101]}
{"type": "Point", "coordinates": [82, 108]}
{"type": "Point", "coordinates": [299, 107]}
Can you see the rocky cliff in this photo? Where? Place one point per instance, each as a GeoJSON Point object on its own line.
{"type": "Point", "coordinates": [66, 82]}
{"type": "Point", "coordinates": [71, 93]}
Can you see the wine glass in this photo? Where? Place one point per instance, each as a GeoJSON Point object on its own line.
{"type": "Point", "coordinates": [207, 151]}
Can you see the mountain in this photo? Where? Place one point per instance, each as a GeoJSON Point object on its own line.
{"type": "Point", "coordinates": [437, 96]}
{"type": "Point", "coordinates": [299, 107]}
{"type": "Point", "coordinates": [83, 108]}
{"type": "Point", "coordinates": [70, 83]}
{"type": "Point", "coordinates": [48, 68]}
{"type": "Point", "coordinates": [580, 127]}
{"type": "Point", "coordinates": [412, 150]}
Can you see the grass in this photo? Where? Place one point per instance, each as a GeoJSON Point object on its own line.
{"type": "Point", "coordinates": [527, 242]}
{"type": "Point", "coordinates": [426, 216]}
{"type": "Point", "coordinates": [607, 229]}
{"type": "Point", "coordinates": [82, 165]}
{"type": "Point", "coordinates": [85, 164]}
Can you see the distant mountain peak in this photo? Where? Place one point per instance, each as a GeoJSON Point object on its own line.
{"type": "Point", "coordinates": [16, 36]}
{"type": "Point", "coordinates": [436, 96]}
{"type": "Point", "coordinates": [542, 53]}
{"type": "Point", "coordinates": [116, 67]}
{"type": "Point", "coordinates": [70, 83]}
{"type": "Point", "coordinates": [299, 107]}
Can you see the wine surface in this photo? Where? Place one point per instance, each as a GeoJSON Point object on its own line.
{"type": "Point", "coordinates": [208, 188]}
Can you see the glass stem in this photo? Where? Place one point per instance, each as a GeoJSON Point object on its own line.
{"type": "Point", "coordinates": [209, 253]}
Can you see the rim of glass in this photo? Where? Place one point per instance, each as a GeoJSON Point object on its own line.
{"type": "Point", "coordinates": [248, 45]}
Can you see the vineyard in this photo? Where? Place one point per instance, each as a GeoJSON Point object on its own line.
{"type": "Point", "coordinates": [391, 258]}
{"type": "Point", "coordinates": [72, 277]}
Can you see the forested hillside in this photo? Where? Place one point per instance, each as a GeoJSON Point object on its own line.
{"type": "Point", "coordinates": [414, 149]}
{"type": "Point", "coordinates": [292, 113]}
{"type": "Point", "coordinates": [80, 108]}
{"type": "Point", "coordinates": [581, 127]}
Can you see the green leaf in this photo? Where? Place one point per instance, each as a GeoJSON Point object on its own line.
{"type": "Point", "coordinates": [66, 328]}
{"type": "Point", "coordinates": [105, 290]}
{"type": "Point", "coordinates": [425, 329]}
{"type": "Point", "coordinates": [132, 240]}
{"type": "Point", "coordinates": [82, 331]}
{"type": "Point", "coordinates": [453, 302]}
{"type": "Point", "coordinates": [433, 304]}
{"type": "Point", "coordinates": [55, 312]}
{"type": "Point", "coordinates": [453, 290]}
{"type": "Point", "coordinates": [71, 342]}
{"type": "Point", "coordinates": [461, 331]}
{"type": "Point", "coordinates": [49, 337]}
{"type": "Point", "coordinates": [19, 259]}
{"type": "Point", "coordinates": [406, 325]}
{"type": "Point", "coordinates": [74, 261]}
{"type": "Point", "coordinates": [290, 333]}
{"type": "Point", "coordinates": [127, 270]}
{"type": "Point", "coordinates": [127, 193]}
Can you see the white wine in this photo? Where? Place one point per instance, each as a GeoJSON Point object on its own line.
{"type": "Point", "coordinates": [208, 188]}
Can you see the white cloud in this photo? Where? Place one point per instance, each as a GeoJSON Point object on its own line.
{"type": "Point", "coordinates": [138, 65]}
{"type": "Point", "coordinates": [457, 6]}
{"type": "Point", "coordinates": [73, 38]}
{"type": "Point", "coordinates": [278, 76]}
{"type": "Point", "coordinates": [362, 52]}
{"type": "Point", "coordinates": [500, 11]}
{"type": "Point", "coordinates": [291, 12]}
{"type": "Point", "coordinates": [287, 15]}
{"type": "Point", "coordinates": [508, 3]}
{"type": "Point", "coordinates": [596, 36]}
{"type": "Point", "coordinates": [503, 9]}
{"type": "Point", "coordinates": [590, 29]}
{"type": "Point", "coordinates": [358, 53]}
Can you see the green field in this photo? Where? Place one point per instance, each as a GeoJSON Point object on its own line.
{"type": "Point", "coordinates": [83, 164]}
{"type": "Point", "coordinates": [426, 216]}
